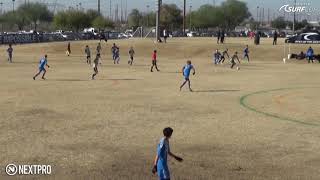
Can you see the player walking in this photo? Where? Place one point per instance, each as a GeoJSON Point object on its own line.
{"type": "Point", "coordinates": [246, 53]}
{"type": "Point", "coordinates": [154, 61]}
{"type": "Point", "coordinates": [88, 53]}
{"type": "Point", "coordinates": [186, 73]}
{"type": "Point", "coordinates": [10, 52]}
{"type": "Point", "coordinates": [131, 54]}
{"type": "Point", "coordinates": [95, 66]}
{"type": "Point", "coordinates": [161, 160]}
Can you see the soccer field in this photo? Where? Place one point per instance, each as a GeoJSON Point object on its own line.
{"type": "Point", "coordinates": [261, 122]}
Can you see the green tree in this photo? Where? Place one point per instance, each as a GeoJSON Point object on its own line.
{"type": "Point", "coordinates": [35, 13]}
{"type": "Point", "coordinates": [207, 16]}
{"type": "Point", "coordinates": [17, 18]}
{"type": "Point", "coordinates": [135, 19]}
{"type": "Point", "coordinates": [279, 23]}
{"type": "Point", "coordinates": [60, 20]}
{"type": "Point", "coordinates": [235, 12]}
{"type": "Point", "coordinates": [92, 14]}
{"type": "Point", "coordinates": [171, 16]}
{"type": "Point", "coordinates": [101, 23]}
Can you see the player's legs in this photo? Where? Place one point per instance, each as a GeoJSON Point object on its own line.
{"type": "Point", "coordinates": [36, 75]}
{"type": "Point", "coordinates": [153, 64]}
{"type": "Point", "coordinates": [189, 84]}
{"type": "Point", "coordinates": [184, 83]}
{"type": "Point", "coordinates": [44, 73]}
{"type": "Point", "coordinates": [131, 60]}
{"type": "Point", "coordinates": [95, 72]}
{"type": "Point", "coordinates": [222, 59]}
{"type": "Point", "coordinates": [232, 64]}
{"type": "Point", "coordinates": [156, 66]}
{"type": "Point", "coordinates": [10, 58]}
{"type": "Point", "coordinates": [118, 59]}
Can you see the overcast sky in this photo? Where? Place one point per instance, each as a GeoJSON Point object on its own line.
{"type": "Point", "coordinates": [272, 5]}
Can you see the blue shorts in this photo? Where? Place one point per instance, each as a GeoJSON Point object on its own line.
{"type": "Point", "coordinates": [42, 69]}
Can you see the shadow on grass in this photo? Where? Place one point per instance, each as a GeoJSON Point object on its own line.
{"type": "Point", "coordinates": [68, 80]}
{"type": "Point", "coordinates": [214, 91]}
{"type": "Point", "coordinates": [120, 79]}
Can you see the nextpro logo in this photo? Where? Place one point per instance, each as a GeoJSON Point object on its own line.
{"type": "Point", "coordinates": [12, 169]}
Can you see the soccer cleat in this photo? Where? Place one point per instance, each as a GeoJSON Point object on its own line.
{"type": "Point", "coordinates": [34, 78]}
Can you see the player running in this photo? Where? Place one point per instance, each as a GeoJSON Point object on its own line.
{"type": "Point", "coordinates": [43, 62]}
{"type": "Point", "coordinates": [131, 54]}
{"type": "Point", "coordinates": [154, 61]}
{"type": "Point", "coordinates": [88, 53]}
{"type": "Point", "coordinates": [186, 73]}
{"type": "Point", "coordinates": [223, 56]}
{"type": "Point", "coordinates": [95, 66]}
{"type": "Point", "coordinates": [10, 52]}
{"type": "Point", "coordinates": [233, 58]}
{"type": "Point", "coordinates": [246, 53]}
{"type": "Point", "coordinates": [163, 150]}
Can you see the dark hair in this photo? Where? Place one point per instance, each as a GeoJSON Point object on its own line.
{"type": "Point", "coordinates": [167, 132]}
{"type": "Point", "coordinates": [155, 51]}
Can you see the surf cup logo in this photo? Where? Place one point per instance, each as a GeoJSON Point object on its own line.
{"type": "Point", "coordinates": [300, 8]}
{"type": "Point", "coordinates": [292, 9]}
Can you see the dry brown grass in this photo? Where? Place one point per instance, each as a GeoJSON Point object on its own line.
{"type": "Point", "coordinates": [109, 128]}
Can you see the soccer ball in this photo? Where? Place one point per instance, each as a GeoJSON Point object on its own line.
{"type": "Point", "coordinates": [238, 68]}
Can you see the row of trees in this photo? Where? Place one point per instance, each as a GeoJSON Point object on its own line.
{"type": "Point", "coordinates": [30, 15]}
{"type": "Point", "coordinates": [230, 14]}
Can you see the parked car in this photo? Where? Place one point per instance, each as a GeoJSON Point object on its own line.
{"type": "Point", "coordinates": [305, 38]}
{"type": "Point", "coordinates": [192, 34]}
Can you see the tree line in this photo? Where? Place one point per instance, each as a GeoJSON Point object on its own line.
{"type": "Point", "coordinates": [228, 15]}
{"type": "Point", "coordinates": [31, 15]}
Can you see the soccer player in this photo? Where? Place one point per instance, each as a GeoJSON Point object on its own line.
{"type": "Point", "coordinates": [99, 49]}
{"type": "Point", "coordinates": [131, 54]}
{"type": "Point", "coordinates": [154, 61]}
{"type": "Point", "coordinates": [88, 53]}
{"type": "Point", "coordinates": [95, 66]}
{"type": "Point", "coordinates": [246, 53]}
{"type": "Point", "coordinates": [223, 56]}
{"type": "Point", "coordinates": [186, 73]}
{"type": "Point", "coordinates": [113, 50]}
{"type": "Point", "coordinates": [163, 150]}
{"type": "Point", "coordinates": [10, 51]}
{"type": "Point", "coordinates": [275, 38]}
{"type": "Point", "coordinates": [233, 58]}
{"type": "Point", "coordinates": [43, 62]}
{"type": "Point", "coordinates": [69, 49]}
{"type": "Point", "coordinates": [216, 57]}
{"type": "Point", "coordinates": [117, 56]}
{"type": "Point", "coordinates": [310, 54]}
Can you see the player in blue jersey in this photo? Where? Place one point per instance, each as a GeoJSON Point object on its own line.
{"type": "Point", "coordinates": [246, 53]}
{"type": "Point", "coordinates": [163, 150]}
{"type": "Point", "coordinates": [42, 64]}
{"type": "Point", "coordinates": [186, 70]}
